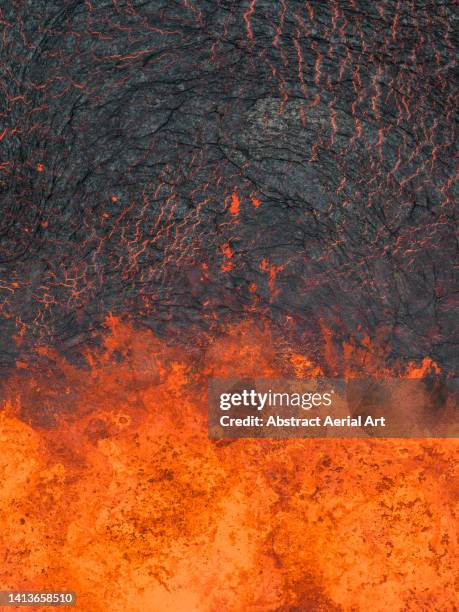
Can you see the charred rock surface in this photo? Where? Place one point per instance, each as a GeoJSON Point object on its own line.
{"type": "Point", "coordinates": [194, 163]}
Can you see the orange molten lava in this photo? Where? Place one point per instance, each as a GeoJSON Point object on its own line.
{"type": "Point", "coordinates": [115, 491]}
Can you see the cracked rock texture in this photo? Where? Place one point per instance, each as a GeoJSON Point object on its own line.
{"type": "Point", "coordinates": [190, 163]}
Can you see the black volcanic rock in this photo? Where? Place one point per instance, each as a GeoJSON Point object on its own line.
{"type": "Point", "coordinates": [129, 128]}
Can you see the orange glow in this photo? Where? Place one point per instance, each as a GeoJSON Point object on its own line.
{"type": "Point", "coordinates": [111, 488]}
{"type": "Point", "coordinates": [235, 204]}
{"type": "Point", "coordinates": [228, 253]}
{"type": "Point", "coordinates": [426, 367]}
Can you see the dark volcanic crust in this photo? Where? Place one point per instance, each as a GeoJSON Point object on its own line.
{"type": "Point", "coordinates": [199, 161]}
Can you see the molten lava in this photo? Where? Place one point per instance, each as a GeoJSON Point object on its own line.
{"type": "Point", "coordinates": [111, 488]}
